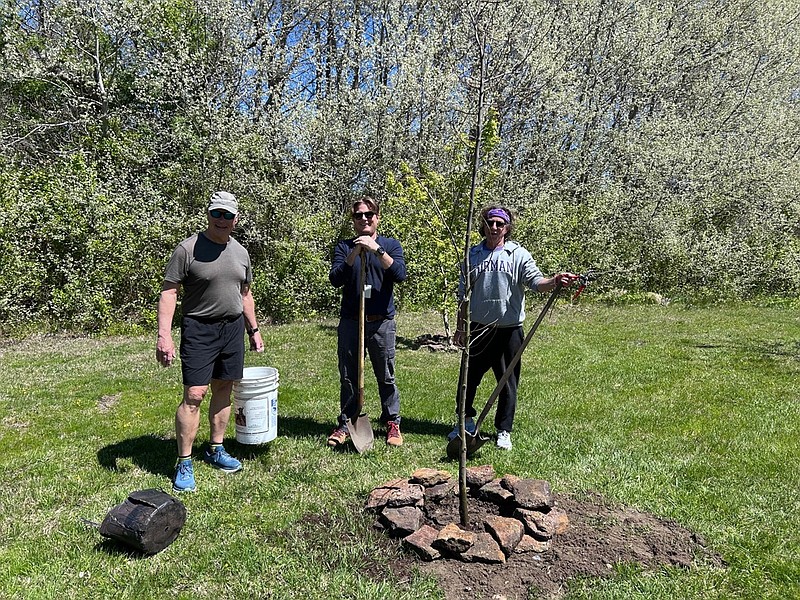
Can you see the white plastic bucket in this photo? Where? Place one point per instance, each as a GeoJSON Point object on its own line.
{"type": "Point", "coordinates": [255, 402]}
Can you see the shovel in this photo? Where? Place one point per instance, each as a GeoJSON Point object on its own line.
{"type": "Point", "coordinates": [475, 441]}
{"type": "Point", "coordinates": [359, 427]}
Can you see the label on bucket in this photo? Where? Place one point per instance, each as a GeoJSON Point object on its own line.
{"type": "Point", "coordinates": [256, 408]}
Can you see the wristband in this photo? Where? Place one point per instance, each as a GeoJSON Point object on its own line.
{"type": "Point", "coordinates": [252, 331]}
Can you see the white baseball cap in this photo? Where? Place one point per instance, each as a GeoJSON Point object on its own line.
{"type": "Point", "coordinates": [225, 201]}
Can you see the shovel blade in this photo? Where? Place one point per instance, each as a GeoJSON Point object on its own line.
{"type": "Point", "coordinates": [474, 442]}
{"type": "Point", "coordinates": [361, 433]}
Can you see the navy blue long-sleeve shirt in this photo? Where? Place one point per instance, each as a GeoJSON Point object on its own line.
{"type": "Point", "coordinates": [381, 301]}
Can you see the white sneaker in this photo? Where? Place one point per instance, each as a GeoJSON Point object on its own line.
{"type": "Point", "coordinates": [504, 440]}
{"type": "Point", "coordinates": [469, 426]}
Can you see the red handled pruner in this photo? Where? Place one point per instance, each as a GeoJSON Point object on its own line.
{"type": "Point", "coordinates": [584, 280]}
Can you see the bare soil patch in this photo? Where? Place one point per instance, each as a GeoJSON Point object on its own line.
{"type": "Point", "coordinates": [599, 536]}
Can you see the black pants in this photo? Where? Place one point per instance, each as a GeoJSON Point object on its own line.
{"type": "Point", "coordinates": [493, 348]}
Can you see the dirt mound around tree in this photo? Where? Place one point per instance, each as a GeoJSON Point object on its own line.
{"type": "Point", "coordinates": [588, 540]}
{"type": "Point", "coordinates": [599, 536]}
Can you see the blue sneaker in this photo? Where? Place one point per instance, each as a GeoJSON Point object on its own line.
{"type": "Point", "coordinates": [183, 481]}
{"type": "Point", "coordinates": [220, 459]}
{"type": "Point", "coordinates": [469, 425]}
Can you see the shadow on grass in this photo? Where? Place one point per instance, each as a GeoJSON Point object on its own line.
{"type": "Point", "coordinates": [301, 427]}
{"type": "Point", "coordinates": [157, 455]}
{"type": "Point", "coordinates": [151, 453]}
{"type": "Point", "coordinates": [419, 427]}
{"type": "Point", "coordinates": [115, 548]}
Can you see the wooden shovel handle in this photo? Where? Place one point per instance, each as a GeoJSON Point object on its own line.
{"type": "Point", "coordinates": [361, 321]}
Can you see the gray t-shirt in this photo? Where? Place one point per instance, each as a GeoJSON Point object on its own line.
{"type": "Point", "coordinates": [211, 275]}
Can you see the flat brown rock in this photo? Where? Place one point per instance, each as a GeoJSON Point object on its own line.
{"type": "Point", "coordinates": [480, 476]}
{"type": "Point", "coordinates": [402, 521]}
{"type": "Point", "coordinates": [506, 531]}
{"type": "Point", "coordinates": [508, 481]}
{"type": "Point", "coordinates": [533, 494]}
{"type": "Point", "coordinates": [394, 494]}
{"type": "Point", "coordinates": [494, 492]}
{"type": "Point", "coordinates": [453, 540]}
{"type": "Point", "coordinates": [484, 550]}
{"type": "Point", "coordinates": [379, 497]}
{"type": "Point", "coordinates": [541, 525]}
{"type": "Point", "coordinates": [420, 542]}
{"type": "Point", "coordinates": [430, 477]}
{"type": "Point", "coordinates": [531, 544]}
{"type": "Point", "coordinates": [437, 492]}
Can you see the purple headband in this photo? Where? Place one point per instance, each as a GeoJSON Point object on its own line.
{"type": "Point", "coordinates": [499, 212]}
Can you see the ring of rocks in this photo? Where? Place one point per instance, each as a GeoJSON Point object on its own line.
{"type": "Point", "coordinates": [526, 518]}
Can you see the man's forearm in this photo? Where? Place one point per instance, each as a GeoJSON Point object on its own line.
{"type": "Point", "coordinates": [166, 311]}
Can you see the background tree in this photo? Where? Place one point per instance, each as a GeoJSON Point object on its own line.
{"type": "Point", "coordinates": [661, 136]}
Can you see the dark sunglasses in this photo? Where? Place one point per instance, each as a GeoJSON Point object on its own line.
{"type": "Point", "coordinates": [366, 215]}
{"type": "Point", "coordinates": [217, 213]}
{"type": "Point", "coordinates": [497, 224]}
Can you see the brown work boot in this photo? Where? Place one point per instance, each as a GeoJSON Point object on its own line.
{"type": "Point", "coordinates": [393, 435]}
{"type": "Point", "coordinates": [338, 437]}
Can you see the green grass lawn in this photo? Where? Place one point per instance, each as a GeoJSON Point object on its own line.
{"type": "Point", "coordinates": [691, 414]}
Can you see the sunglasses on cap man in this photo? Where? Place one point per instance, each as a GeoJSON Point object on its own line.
{"type": "Point", "coordinates": [217, 213]}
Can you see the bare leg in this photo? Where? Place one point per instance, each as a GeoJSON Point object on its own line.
{"type": "Point", "coordinates": [187, 418]}
{"type": "Point", "coordinates": [219, 411]}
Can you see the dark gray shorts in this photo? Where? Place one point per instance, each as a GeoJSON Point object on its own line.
{"type": "Point", "coordinates": [211, 350]}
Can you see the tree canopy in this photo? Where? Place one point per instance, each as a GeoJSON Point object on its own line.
{"type": "Point", "coordinates": [658, 141]}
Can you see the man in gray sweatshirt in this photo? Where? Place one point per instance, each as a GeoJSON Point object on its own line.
{"type": "Point", "coordinates": [500, 272]}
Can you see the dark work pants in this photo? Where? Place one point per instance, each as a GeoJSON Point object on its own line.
{"type": "Point", "coordinates": [379, 342]}
{"type": "Point", "coordinates": [493, 348]}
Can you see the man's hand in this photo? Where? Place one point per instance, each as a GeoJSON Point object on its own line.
{"type": "Point", "coordinates": [566, 279]}
{"type": "Point", "coordinates": [256, 343]}
{"type": "Point", "coordinates": [165, 351]}
{"type": "Point", "coordinates": [367, 243]}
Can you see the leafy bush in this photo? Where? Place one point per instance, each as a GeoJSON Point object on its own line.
{"type": "Point", "coordinates": [80, 253]}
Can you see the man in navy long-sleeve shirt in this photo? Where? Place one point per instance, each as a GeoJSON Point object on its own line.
{"type": "Point", "coordinates": [384, 267]}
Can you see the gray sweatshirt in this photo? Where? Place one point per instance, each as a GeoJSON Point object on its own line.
{"type": "Point", "coordinates": [499, 279]}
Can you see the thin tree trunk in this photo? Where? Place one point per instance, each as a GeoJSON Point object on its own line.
{"type": "Point", "coordinates": [462, 392]}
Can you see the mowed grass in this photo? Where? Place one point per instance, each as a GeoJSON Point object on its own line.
{"type": "Point", "coordinates": [691, 414]}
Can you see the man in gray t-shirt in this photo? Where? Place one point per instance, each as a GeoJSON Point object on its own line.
{"type": "Point", "coordinates": [217, 306]}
